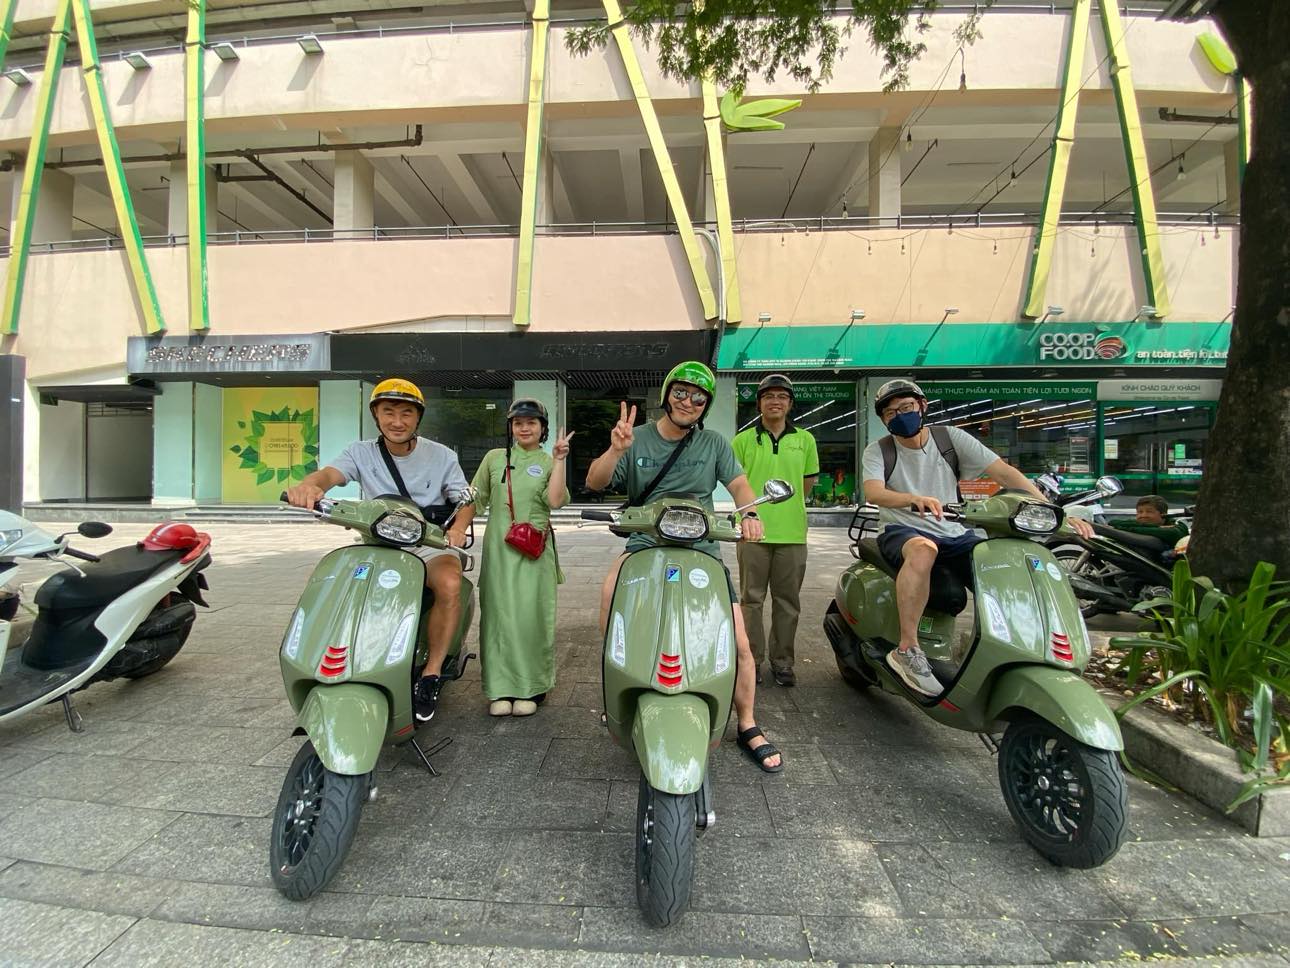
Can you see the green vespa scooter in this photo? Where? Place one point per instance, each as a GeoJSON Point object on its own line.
{"type": "Point", "coordinates": [669, 681]}
{"type": "Point", "coordinates": [350, 659]}
{"type": "Point", "coordinates": [1019, 671]}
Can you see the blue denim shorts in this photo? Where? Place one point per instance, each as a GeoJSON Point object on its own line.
{"type": "Point", "coordinates": [893, 538]}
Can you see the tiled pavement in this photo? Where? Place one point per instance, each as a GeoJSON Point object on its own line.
{"type": "Point", "coordinates": [144, 839]}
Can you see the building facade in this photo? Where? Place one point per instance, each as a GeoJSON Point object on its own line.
{"type": "Point", "coordinates": [1042, 228]}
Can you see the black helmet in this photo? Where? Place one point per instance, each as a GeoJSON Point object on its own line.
{"type": "Point", "coordinates": [896, 388]}
{"type": "Point", "coordinates": [529, 407]}
{"type": "Point", "coordinates": [776, 381]}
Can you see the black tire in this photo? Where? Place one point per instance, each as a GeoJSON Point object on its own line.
{"type": "Point", "coordinates": [1069, 800]}
{"type": "Point", "coordinates": [313, 824]}
{"type": "Point", "coordinates": [1068, 557]}
{"type": "Point", "coordinates": [853, 678]}
{"type": "Point", "coordinates": [665, 835]}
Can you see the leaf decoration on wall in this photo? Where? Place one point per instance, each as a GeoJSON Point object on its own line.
{"type": "Point", "coordinates": [249, 452]}
{"type": "Point", "coordinates": [740, 115]}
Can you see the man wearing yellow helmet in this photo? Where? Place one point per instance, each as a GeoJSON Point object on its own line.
{"type": "Point", "coordinates": [631, 462]}
{"type": "Point", "coordinates": [399, 463]}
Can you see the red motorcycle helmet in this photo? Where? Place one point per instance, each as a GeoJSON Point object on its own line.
{"type": "Point", "coordinates": [171, 536]}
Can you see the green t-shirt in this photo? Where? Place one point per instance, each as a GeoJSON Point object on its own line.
{"type": "Point", "coordinates": [791, 457]}
{"type": "Point", "coordinates": [706, 461]}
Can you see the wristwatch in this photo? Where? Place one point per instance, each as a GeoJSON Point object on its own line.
{"type": "Point", "coordinates": [750, 514]}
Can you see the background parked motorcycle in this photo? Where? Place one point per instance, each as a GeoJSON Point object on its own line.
{"type": "Point", "coordinates": [125, 614]}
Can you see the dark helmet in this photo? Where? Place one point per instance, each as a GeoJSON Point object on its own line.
{"type": "Point", "coordinates": [776, 381]}
{"type": "Point", "coordinates": [529, 407]}
{"type": "Point", "coordinates": [896, 388]}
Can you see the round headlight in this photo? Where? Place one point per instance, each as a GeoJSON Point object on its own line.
{"type": "Point", "coordinates": [1036, 519]}
{"type": "Point", "coordinates": [683, 524]}
{"type": "Point", "coordinates": [399, 529]}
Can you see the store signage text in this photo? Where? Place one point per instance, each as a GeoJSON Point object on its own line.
{"type": "Point", "coordinates": [596, 351]}
{"type": "Point", "coordinates": [1081, 346]}
{"type": "Point", "coordinates": [230, 353]}
{"type": "Point", "coordinates": [806, 392]}
{"type": "Point", "coordinates": [1180, 356]}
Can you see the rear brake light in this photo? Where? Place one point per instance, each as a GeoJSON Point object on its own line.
{"type": "Point", "coordinates": [333, 661]}
{"type": "Point", "coordinates": [669, 670]}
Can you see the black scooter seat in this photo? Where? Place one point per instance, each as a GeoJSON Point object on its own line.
{"type": "Point", "coordinates": [118, 571]}
{"type": "Point", "coordinates": [948, 593]}
{"type": "Point", "coordinates": [870, 552]}
{"type": "Point", "coordinates": [1143, 544]}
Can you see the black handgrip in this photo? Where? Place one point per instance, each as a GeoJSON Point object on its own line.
{"type": "Point", "coordinates": [597, 516]}
{"type": "Point", "coordinates": [283, 497]}
{"type": "Point", "coordinates": [83, 555]}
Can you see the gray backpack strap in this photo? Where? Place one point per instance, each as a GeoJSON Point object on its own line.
{"type": "Point", "coordinates": [888, 447]}
{"type": "Point", "coordinates": [941, 435]}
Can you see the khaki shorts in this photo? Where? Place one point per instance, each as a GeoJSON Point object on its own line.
{"type": "Point", "coordinates": [428, 554]}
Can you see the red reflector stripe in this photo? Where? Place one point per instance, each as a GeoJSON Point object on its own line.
{"type": "Point", "coordinates": [333, 661]}
{"type": "Point", "coordinates": [669, 681]}
{"type": "Point", "coordinates": [946, 704]}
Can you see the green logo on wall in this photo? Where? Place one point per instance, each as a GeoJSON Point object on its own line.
{"type": "Point", "coordinates": [288, 438]}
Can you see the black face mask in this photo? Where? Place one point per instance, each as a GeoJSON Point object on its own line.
{"type": "Point", "coordinates": [906, 424]}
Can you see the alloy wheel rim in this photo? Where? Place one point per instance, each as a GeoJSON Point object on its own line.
{"type": "Point", "coordinates": [1049, 785]}
{"type": "Point", "coordinates": [300, 817]}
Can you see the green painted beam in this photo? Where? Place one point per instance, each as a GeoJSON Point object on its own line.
{"type": "Point", "coordinates": [1041, 262]}
{"type": "Point", "coordinates": [721, 196]}
{"type": "Point", "coordinates": [523, 314]}
{"type": "Point", "coordinates": [144, 289]}
{"type": "Point", "coordinates": [671, 185]}
{"type": "Point", "coordinates": [1243, 126]}
{"type": "Point", "coordinates": [33, 168]}
{"type": "Point", "coordinates": [1135, 155]}
{"type": "Point", "coordinates": [195, 123]}
{"type": "Point", "coordinates": [6, 26]}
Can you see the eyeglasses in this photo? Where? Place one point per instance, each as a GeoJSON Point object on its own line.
{"type": "Point", "coordinates": [696, 397]}
{"type": "Point", "coordinates": [778, 397]}
{"type": "Point", "coordinates": [909, 406]}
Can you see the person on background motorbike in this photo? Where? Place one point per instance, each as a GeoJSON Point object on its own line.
{"type": "Point", "coordinates": [774, 448]}
{"type": "Point", "coordinates": [914, 533]}
{"type": "Point", "coordinates": [1149, 521]}
{"type": "Point", "coordinates": [633, 460]}
{"type": "Point", "coordinates": [431, 476]}
{"type": "Point", "coordinates": [517, 593]}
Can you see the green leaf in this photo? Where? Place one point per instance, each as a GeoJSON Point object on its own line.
{"type": "Point", "coordinates": [259, 415]}
{"type": "Point", "coordinates": [282, 473]}
{"type": "Point", "coordinates": [1217, 53]}
{"type": "Point", "coordinates": [311, 466]}
{"type": "Point", "coordinates": [264, 476]}
{"type": "Point", "coordinates": [1264, 720]}
{"type": "Point", "coordinates": [236, 448]}
{"type": "Point", "coordinates": [298, 472]}
{"type": "Point", "coordinates": [1157, 690]}
{"type": "Point", "coordinates": [310, 450]}
{"type": "Point", "coordinates": [241, 424]}
{"type": "Point", "coordinates": [738, 115]}
{"type": "Point", "coordinates": [257, 428]}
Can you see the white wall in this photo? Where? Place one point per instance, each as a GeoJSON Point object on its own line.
{"type": "Point", "coordinates": [62, 452]}
{"type": "Point", "coordinates": [120, 456]}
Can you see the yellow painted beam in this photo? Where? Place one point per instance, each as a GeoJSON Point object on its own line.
{"type": "Point", "coordinates": [1041, 262]}
{"type": "Point", "coordinates": [721, 198]}
{"type": "Point", "coordinates": [195, 125]}
{"type": "Point", "coordinates": [33, 167]}
{"type": "Point", "coordinates": [675, 197]}
{"type": "Point", "coordinates": [523, 314]}
{"type": "Point", "coordinates": [1243, 122]}
{"type": "Point", "coordinates": [1135, 155]}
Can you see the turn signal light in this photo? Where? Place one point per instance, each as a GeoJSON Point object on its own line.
{"type": "Point", "coordinates": [1062, 650]}
{"type": "Point", "coordinates": [669, 670]}
{"type": "Point", "coordinates": [333, 661]}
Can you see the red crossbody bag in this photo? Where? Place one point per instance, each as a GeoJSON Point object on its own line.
{"type": "Point", "coordinates": [521, 535]}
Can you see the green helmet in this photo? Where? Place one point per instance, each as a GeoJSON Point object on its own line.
{"type": "Point", "coordinates": [691, 371]}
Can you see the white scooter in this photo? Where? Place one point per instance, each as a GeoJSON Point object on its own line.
{"type": "Point", "coordinates": [125, 614]}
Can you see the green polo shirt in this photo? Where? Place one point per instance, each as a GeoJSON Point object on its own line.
{"type": "Point", "coordinates": [790, 457]}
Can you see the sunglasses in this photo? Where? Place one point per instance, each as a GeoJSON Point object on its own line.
{"type": "Point", "coordinates": [696, 397]}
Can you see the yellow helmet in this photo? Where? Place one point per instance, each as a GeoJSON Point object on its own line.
{"type": "Point", "coordinates": [402, 391]}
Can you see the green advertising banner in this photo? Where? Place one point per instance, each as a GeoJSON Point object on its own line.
{"type": "Point", "coordinates": [1017, 390]}
{"type": "Point", "coordinates": [806, 392]}
{"type": "Point", "coordinates": [270, 441]}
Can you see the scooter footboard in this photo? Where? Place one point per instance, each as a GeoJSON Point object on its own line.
{"type": "Point", "coordinates": [671, 736]}
{"type": "Point", "coordinates": [1062, 698]}
{"type": "Point", "coordinates": [347, 724]}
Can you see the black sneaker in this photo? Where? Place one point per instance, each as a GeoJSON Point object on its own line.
{"type": "Point", "coordinates": [425, 697]}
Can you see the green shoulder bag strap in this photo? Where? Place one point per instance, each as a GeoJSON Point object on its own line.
{"type": "Point", "coordinates": [944, 446]}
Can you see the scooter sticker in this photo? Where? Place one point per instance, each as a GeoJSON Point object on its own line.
{"type": "Point", "coordinates": [672, 573]}
{"type": "Point", "coordinates": [389, 578]}
{"type": "Point", "coordinates": [1054, 572]}
{"type": "Point", "coordinates": [361, 572]}
{"type": "Point", "coordinates": [698, 578]}
{"type": "Point", "coordinates": [1034, 563]}
{"type": "Point", "coordinates": [534, 470]}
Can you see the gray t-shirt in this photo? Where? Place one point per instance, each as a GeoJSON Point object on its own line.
{"type": "Point", "coordinates": [923, 471]}
{"type": "Point", "coordinates": [431, 472]}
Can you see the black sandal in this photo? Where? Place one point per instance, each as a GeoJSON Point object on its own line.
{"type": "Point", "coordinates": [762, 753]}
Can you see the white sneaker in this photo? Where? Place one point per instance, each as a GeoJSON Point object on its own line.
{"type": "Point", "coordinates": [499, 707]}
{"type": "Point", "coordinates": [523, 707]}
{"type": "Point", "coordinates": [912, 666]}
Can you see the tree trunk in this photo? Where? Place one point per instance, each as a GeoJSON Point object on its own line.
{"type": "Point", "coordinates": [1243, 513]}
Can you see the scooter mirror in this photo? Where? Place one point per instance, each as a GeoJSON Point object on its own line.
{"type": "Point", "coordinates": [1109, 486]}
{"type": "Point", "coordinates": [94, 529]}
{"type": "Point", "coordinates": [777, 490]}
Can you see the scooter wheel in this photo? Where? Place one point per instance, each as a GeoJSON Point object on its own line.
{"type": "Point", "coordinates": [313, 824]}
{"type": "Point", "coordinates": [665, 836]}
{"type": "Point", "coordinates": [1069, 800]}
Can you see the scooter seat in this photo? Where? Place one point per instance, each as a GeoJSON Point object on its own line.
{"type": "Point", "coordinates": [870, 552]}
{"type": "Point", "coordinates": [1143, 544]}
{"type": "Point", "coordinates": [948, 593]}
{"type": "Point", "coordinates": [115, 573]}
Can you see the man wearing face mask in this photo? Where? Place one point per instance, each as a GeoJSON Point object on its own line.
{"type": "Point", "coordinates": [910, 476]}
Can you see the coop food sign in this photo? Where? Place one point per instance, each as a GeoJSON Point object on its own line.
{"type": "Point", "coordinates": [1081, 346]}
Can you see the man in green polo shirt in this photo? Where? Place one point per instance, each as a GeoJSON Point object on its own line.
{"type": "Point", "coordinates": [773, 447]}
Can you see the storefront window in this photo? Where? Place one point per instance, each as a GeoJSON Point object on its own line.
{"type": "Point", "coordinates": [1156, 448]}
{"type": "Point", "coordinates": [470, 422]}
{"type": "Point", "coordinates": [828, 411]}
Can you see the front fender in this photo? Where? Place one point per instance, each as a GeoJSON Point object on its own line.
{"type": "Point", "coordinates": [1062, 698]}
{"type": "Point", "coordinates": [347, 724]}
{"type": "Point", "coordinates": [670, 735]}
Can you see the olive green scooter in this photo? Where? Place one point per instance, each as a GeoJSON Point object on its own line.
{"type": "Point", "coordinates": [1018, 671]}
{"type": "Point", "coordinates": [669, 680]}
{"type": "Point", "coordinates": [350, 658]}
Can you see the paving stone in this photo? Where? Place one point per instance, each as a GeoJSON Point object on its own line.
{"type": "Point", "coordinates": [207, 710]}
{"type": "Point", "coordinates": [386, 954]}
{"type": "Point", "coordinates": [792, 877]}
{"type": "Point", "coordinates": [699, 933]}
{"type": "Point", "coordinates": [488, 753]}
{"type": "Point", "coordinates": [1274, 928]}
{"type": "Point", "coordinates": [803, 763]}
{"type": "Point", "coordinates": [1156, 814]}
{"type": "Point", "coordinates": [428, 859]}
{"type": "Point", "coordinates": [534, 802]}
{"type": "Point", "coordinates": [588, 759]}
{"type": "Point", "coordinates": [554, 721]}
{"type": "Point", "coordinates": [91, 835]}
{"type": "Point", "coordinates": [46, 935]}
{"type": "Point", "coordinates": [474, 922]}
{"type": "Point", "coordinates": [107, 736]}
{"type": "Point", "coordinates": [218, 788]}
{"type": "Point", "coordinates": [1108, 940]}
{"type": "Point", "coordinates": [923, 941]}
{"type": "Point", "coordinates": [741, 811]}
{"type": "Point", "coordinates": [567, 867]}
{"type": "Point", "coordinates": [407, 794]}
{"type": "Point", "coordinates": [211, 744]}
{"type": "Point", "coordinates": [156, 944]}
{"type": "Point", "coordinates": [75, 776]}
{"type": "Point", "coordinates": [878, 812]}
{"type": "Point", "coordinates": [263, 908]}
{"type": "Point", "coordinates": [199, 847]}
{"type": "Point", "coordinates": [109, 892]}
{"type": "Point", "coordinates": [16, 759]}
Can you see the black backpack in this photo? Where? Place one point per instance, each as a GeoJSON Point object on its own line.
{"type": "Point", "coordinates": [944, 445]}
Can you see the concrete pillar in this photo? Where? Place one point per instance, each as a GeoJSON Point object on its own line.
{"type": "Point", "coordinates": [53, 222]}
{"type": "Point", "coordinates": [1232, 177]}
{"type": "Point", "coordinates": [177, 223]}
{"type": "Point", "coordinates": [30, 443]}
{"type": "Point", "coordinates": [172, 448]}
{"type": "Point", "coordinates": [342, 405]}
{"type": "Point", "coordinates": [884, 167]}
{"type": "Point", "coordinates": [13, 383]}
{"type": "Point", "coordinates": [208, 443]}
{"type": "Point", "coordinates": [552, 394]}
{"type": "Point", "coordinates": [354, 192]}
{"type": "Point", "coordinates": [723, 417]}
